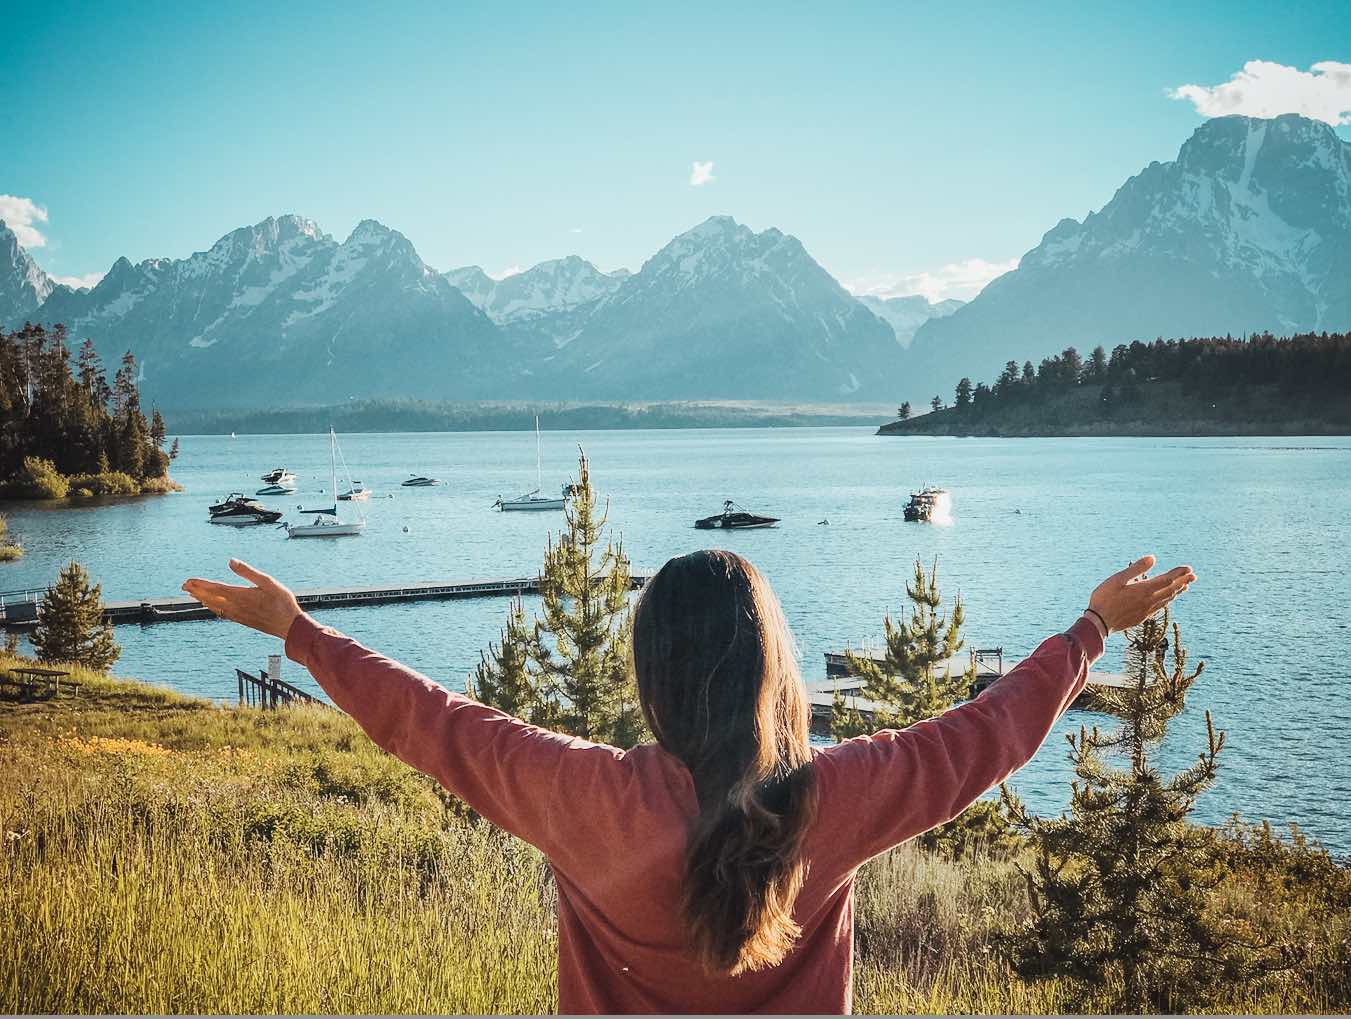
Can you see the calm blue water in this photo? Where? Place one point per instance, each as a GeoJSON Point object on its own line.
{"type": "Point", "coordinates": [1264, 522]}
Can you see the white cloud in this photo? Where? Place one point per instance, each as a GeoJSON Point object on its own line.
{"type": "Point", "coordinates": [1266, 89]}
{"type": "Point", "coordinates": [511, 270]}
{"type": "Point", "coordinates": [88, 280]}
{"type": "Point", "coordinates": [701, 173]}
{"type": "Point", "coordinates": [19, 215]}
{"type": "Point", "coordinates": [961, 280]}
{"type": "Point", "coordinates": [575, 230]}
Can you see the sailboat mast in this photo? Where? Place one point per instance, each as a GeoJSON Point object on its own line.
{"type": "Point", "coordinates": [333, 466]}
{"type": "Point", "coordinates": [539, 462]}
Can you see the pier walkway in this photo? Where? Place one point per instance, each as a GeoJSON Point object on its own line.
{"type": "Point", "coordinates": [19, 609]}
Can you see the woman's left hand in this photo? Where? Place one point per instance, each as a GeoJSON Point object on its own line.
{"type": "Point", "coordinates": [267, 605]}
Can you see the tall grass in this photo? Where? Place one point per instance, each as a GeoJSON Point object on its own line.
{"type": "Point", "coordinates": [162, 854]}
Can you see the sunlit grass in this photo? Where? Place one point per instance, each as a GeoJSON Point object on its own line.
{"type": "Point", "coordinates": [160, 853]}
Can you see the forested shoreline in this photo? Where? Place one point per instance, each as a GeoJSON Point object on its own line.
{"type": "Point", "coordinates": [67, 431]}
{"type": "Point", "coordinates": [1264, 385]}
{"type": "Point", "coordinates": [428, 416]}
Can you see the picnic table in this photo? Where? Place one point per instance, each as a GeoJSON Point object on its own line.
{"type": "Point", "coordinates": [31, 680]}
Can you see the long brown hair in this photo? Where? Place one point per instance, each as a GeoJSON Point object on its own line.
{"type": "Point", "coordinates": [720, 689]}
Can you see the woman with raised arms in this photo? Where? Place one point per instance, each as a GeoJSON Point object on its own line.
{"type": "Point", "coordinates": [711, 871]}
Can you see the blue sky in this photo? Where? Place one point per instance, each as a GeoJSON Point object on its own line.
{"type": "Point", "coordinates": [894, 139]}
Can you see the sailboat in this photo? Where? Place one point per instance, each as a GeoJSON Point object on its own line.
{"type": "Point", "coordinates": [533, 500]}
{"type": "Point", "coordinates": [326, 523]}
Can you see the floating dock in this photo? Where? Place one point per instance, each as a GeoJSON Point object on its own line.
{"type": "Point", "coordinates": [19, 609]}
{"type": "Point", "coordinates": [989, 664]}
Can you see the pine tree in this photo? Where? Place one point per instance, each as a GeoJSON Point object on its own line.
{"type": "Point", "coordinates": [570, 670]}
{"type": "Point", "coordinates": [963, 394]}
{"type": "Point", "coordinates": [1119, 890]}
{"type": "Point", "coordinates": [504, 677]}
{"type": "Point", "coordinates": [903, 411]}
{"type": "Point", "coordinates": [70, 623]}
{"type": "Point", "coordinates": [906, 686]}
{"type": "Point", "coordinates": [1096, 369]}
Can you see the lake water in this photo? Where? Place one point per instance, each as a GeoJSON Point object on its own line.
{"type": "Point", "coordinates": [1036, 523]}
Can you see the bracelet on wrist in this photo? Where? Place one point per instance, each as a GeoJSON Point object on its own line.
{"type": "Point", "coordinates": [1106, 630]}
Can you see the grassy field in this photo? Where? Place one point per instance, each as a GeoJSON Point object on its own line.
{"type": "Point", "coordinates": [161, 854]}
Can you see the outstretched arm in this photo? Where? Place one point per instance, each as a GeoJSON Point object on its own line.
{"type": "Point", "coordinates": [504, 768]}
{"type": "Point", "coordinates": [896, 784]}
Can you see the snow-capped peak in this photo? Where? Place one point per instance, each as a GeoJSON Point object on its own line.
{"type": "Point", "coordinates": [23, 283]}
{"type": "Point", "coordinates": [1264, 197]}
{"type": "Point", "coordinates": [557, 286]}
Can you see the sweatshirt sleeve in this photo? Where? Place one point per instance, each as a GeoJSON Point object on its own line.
{"type": "Point", "coordinates": [878, 791]}
{"type": "Point", "coordinates": [502, 767]}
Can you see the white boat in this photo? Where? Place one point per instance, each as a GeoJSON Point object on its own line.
{"type": "Point", "coordinates": [418, 481]}
{"type": "Point", "coordinates": [278, 476]}
{"type": "Point", "coordinates": [357, 493]}
{"type": "Point", "coordinates": [533, 500]}
{"type": "Point", "coordinates": [326, 523]}
{"type": "Point", "coordinates": [929, 504]}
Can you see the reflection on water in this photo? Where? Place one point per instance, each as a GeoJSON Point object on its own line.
{"type": "Point", "coordinates": [1033, 525]}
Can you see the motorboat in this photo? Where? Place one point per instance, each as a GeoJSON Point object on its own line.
{"type": "Point", "coordinates": [418, 481]}
{"type": "Point", "coordinates": [233, 499]}
{"type": "Point", "coordinates": [926, 504]}
{"type": "Point", "coordinates": [356, 493]}
{"type": "Point", "coordinates": [734, 517]}
{"type": "Point", "coordinates": [533, 500]}
{"type": "Point", "coordinates": [279, 476]}
{"type": "Point", "coordinates": [243, 513]}
{"type": "Point", "coordinates": [326, 523]}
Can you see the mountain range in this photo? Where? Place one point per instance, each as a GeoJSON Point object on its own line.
{"type": "Point", "coordinates": [1248, 229]}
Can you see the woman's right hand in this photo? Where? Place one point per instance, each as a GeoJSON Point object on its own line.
{"type": "Point", "coordinates": [1128, 598]}
{"type": "Point", "coordinates": [265, 604]}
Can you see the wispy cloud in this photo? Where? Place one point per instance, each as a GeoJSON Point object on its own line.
{"type": "Point", "coordinates": [88, 280]}
{"type": "Point", "coordinates": [501, 274]}
{"type": "Point", "coordinates": [701, 173]}
{"type": "Point", "coordinates": [1267, 89]}
{"type": "Point", "coordinates": [20, 215]}
{"type": "Point", "coordinates": [575, 230]}
{"type": "Point", "coordinates": [960, 280]}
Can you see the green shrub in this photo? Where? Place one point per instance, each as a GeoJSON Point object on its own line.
{"type": "Point", "coordinates": [37, 478]}
{"type": "Point", "coordinates": [9, 550]}
{"type": "Point", "coordinates": [105, 483]}
{"type": "Point", "coordinates": [160, 485]}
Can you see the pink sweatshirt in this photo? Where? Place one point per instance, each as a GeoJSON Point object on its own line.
{"type": "Point", "coordinates": [612, 823]}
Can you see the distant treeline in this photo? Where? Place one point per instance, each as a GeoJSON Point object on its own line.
{"type": "Point", "coordinates": [423, 416]}
{"type": "Point", "coordinates": [67, 428]}
{"type": "Point", "coordinates": [1218, 384]}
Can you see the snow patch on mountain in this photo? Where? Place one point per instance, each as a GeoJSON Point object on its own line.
{"type": "Point", "coordinates": [558, 286]}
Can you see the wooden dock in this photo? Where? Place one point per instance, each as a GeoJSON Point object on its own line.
{"type": "Point", "coordinates": [18, 609]}
{"type": "Point", "coordinates": [989, 664]}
